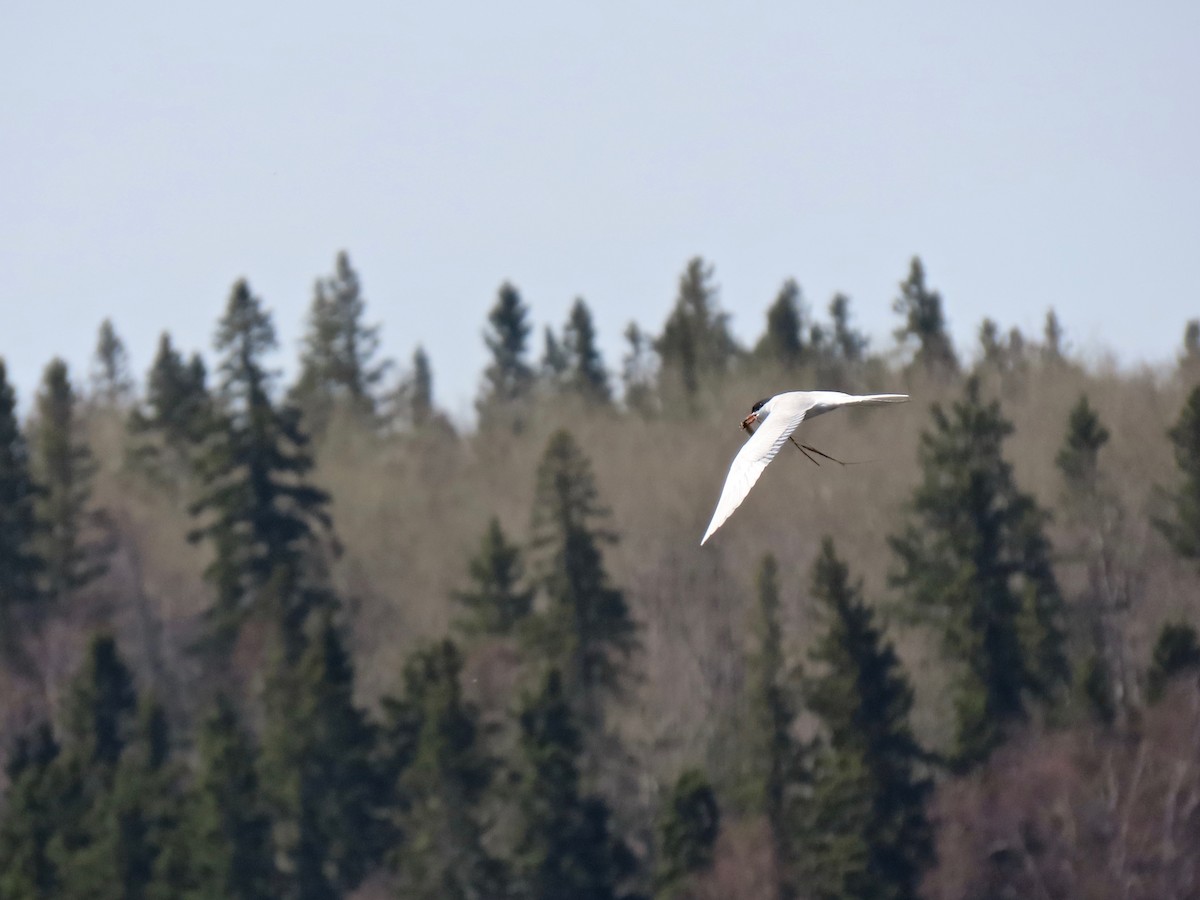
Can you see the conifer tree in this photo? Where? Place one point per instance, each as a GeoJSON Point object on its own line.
{"type": "Point", "coordinates": [973, 559]}
{"type": "Point", "coordinates": [782, 344]}
{"type": "Point", "coordinates": [31, 819]}
{"type": "Point", "coordinates": [496, 603]}
{"type": "Point", "coordinates": [1176, 650]}
{"type": "Point", "coordinates": [778, 761]}
{"type": "Point", "coordinates": [20, 565]}
{"type": "Point", "coordinates": [177, 410]}
{"type": "Point", "coordinates": [1182, 530]}
{"type": "Point", "coordinates": [554, 365]}
{"type": "Point", "coordinates": [689, 824]}
{"type": "Point", "coordinates": [421, 408]}
{"type": "Point", "coordinates": [637, 371]}
{"type": "Point", "coordinates": [508, 378]}
{"type": "Point", "coordinates": [587, 627]}
{"type": "Point", "coordinates": [441, 854]}
{"type": "Point", "coordinates": [1078, 459]}
{"type": "Point", "coordinates": [696, 345]}
{"type": "Point", "coordinates": [585, 372]}
{"type": "Point", "coordinates": [337, 365]}
{"type": "Point", "coordinates": [63, 467]}
{"type": "Point", "coordinates": [1052, 346]}
{"type": "Point", "coordinates": [222, 847]}
{"type": "Point", "coordinates": [112, 384]}
{"type": "Point", "coordinates": [849, 344]}
{"type": "Point", "coordinates": [1189, 360]}
{"type": "Point", "coordinates": [565, 844]}
{"type": "Point", "coordinates": [260, 513]}
{"type": "Point", "coordinates": [865, 833]}
{"type": "Point", "coordinates": [925, 322]}
{"type": "Point", "coordinates": [318, 771]}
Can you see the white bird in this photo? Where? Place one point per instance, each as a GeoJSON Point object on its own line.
{"type": "Point", "coordinates": [777, 418]}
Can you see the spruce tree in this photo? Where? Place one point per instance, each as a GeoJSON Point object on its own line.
{"type": "Point", "coordinates": [637, 371]}
{"type": "Point", "coordinates": [31, 818]}
{"type": "Point", "coordinates": [224, 848]}
{"type": "Point", "coordinates": [112, 384]}
{"type": "Point", "coordinates": [850, 345]}
{"type": "Point", "coordinates": [1176, 650]}
{"type": "Point", "coordinates": [259, 512]}
{"type": "Point", "coordinates": [696, 346]}
{"type": "Point", "coordinates": [688, 826]}
{"type": "Point", "coordinates": [1078, 459]}
{"type": "Point", "coordinates": [865, 832]}
{"type": "Point", "coordinates": [554, 365]}
{"type": "Point", "coordinates": [421, 408]}
{"type": "Point", "coordinates": [176, 413]}
{"type": "Point", "coordinates": [20, 565]}
{"type": "Point", "coordinates": [441, 853]}
{"type": "Point", "coordinates": [508, 378]}
{"type": "Point", "coordinates": [496, 603]}
{"type": "Point", "coordinates": [925, 323]}
{"type": "Point", "coordinates": [318, 769]}
{"type": "Point", "coordinates": [585, 372]}
{"type": "Point", "coordinates": [782, 344]}
{"type": "Point", "coordinates": [587, 629]}
{"type": "Point", "coordinates": [338, 365]}
{"type": "Point", "coordinates": [72, 553]}
{"type": "Point", "coordinates": [974, 561]}
{"type": "Point", "coordinates": [1053, 344]}
{"type": "Point", "coordinates": [565, 844]}
{"type": "Point", "coordinates": [1182, 530]}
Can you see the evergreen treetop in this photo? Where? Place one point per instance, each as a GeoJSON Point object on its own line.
{"type": "Point", "coordinates": [925, 322]}
{"type": "Point", "coordinates": [1182, 530]}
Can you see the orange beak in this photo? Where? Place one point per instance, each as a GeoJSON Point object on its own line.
{"type": "Point", "coordinates": [748, 421]}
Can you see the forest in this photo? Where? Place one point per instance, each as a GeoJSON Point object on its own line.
{"type": "Point", "coordinates": [315, 639]}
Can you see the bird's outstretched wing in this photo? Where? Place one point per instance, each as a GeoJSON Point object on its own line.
{"type": "Point", "coordinates": [755, 454]}
{"type": "Point", "coordinates": [787, 412]}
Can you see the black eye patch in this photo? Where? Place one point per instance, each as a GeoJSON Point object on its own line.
{"type": "Point", "coordinates": [759, 405]}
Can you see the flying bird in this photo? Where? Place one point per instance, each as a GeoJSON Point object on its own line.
{"type": "Point", "coordinates": [777, 417]}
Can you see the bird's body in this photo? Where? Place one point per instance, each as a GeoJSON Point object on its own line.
{"type": "Point", "coordinates": [777, 418]}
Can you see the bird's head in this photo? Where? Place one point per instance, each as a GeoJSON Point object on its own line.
{"type": "Point", "coordinates": [757, 411]}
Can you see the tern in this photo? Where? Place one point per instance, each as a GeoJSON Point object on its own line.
{"type": "Point", "coordinates": [777, 417]}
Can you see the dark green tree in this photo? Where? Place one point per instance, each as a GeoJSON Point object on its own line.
{"type": "Point", "coordinates": [1176, 650]}
{"type": "Point", "coordinates": [112, 384]}
{"type": "Point", "coordinates": [260, 514]}
{"type": "Point", "coordinates": [585, 372]}
{"type": "Point", "coordinates": [496, 602]}
{"type": "Point", "coordinates": [778, 765]}
{"type": "Point", "coordinates": [1077, 460]}
{"type": "Point", "coordinates": [441, 853]}
{"type": "Point", "coordinates": [587, 629]}
{"type": "Point", "coordinates": [319, 772]}
{"type": "Point", "coordinates": [696, 346]}
{"type": "Point", "coordinates": [20, 565]}
{"type": "Point", "coordinates": [554, 364]}
{"type": "Point", "coordinates": [338, 364]}
{"type": "Point", "coordinates": [688, 826]}
{"type": "Point", "coordinates": [638, 371]}
{"type": "Point", "coordinates": [223, 845]}
{"type": "Point", "coordinates": [925, 323]}
{"type": "Point", "coordinates": [508, 378]}
{"type": "Point", "coordinates": [1053, 345]}
{"type": "Point", "coordinates": [421, 409]}
{"type": "Point", "coordinates": [176, 413]}
{"type": "Point", "coordinates": [565, 844]}
{"type": "Point", "coordinates": [865, 832]}
{"type": "Point", "coordinates": [849, 344]}
{"type": "Point", "coordinates": [782, 344]}
{"type": "Point", "coordinates": [975, 562]}
{"type": "Point", "coordinates": [1182, 530]}
{"type": "Point", "coordinates": [31, 817]}
{"type": "Point", "coordinates": [72, 553]}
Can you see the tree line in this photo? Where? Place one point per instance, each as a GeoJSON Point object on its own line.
{"type": "Point", "coordinates": [273, 778]}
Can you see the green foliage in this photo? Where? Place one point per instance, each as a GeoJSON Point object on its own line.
{"type": "Point", "coordinates": [864, 832]}
{"type": "Point", "coordinates": [64, 468]}
{"type": "Point", "coordinates": [31, 818]}
{"type": "Point", "coordinates": [1176, 650]}
{"type": "Point", "coordinates": [495, 603]}
{"type": "Point", "coordinates": [337, 364]}
{"type": "Point", "coordinates": [262, 514]}
{"type": "Point", "coordinates": [421, 400]}
{"type": "Point", "coordinates": [441, 854]}
{"type": "Point", "coordinates": [688, 826]}
{"type": "Point", "coordinates": [318, 769]}
{"type": "Point", "coordinates": [849, 344]}
{"type": "Point", "coordinates": [587, 625]}
{"type": "Point", "coordinates": [112, 383]}
{"type": "Point", "coordinates": [696, 346]}
{"type": "Point", "coordinates": [1077, 459]}
{"type": "Point", "coordinates": [1052, 333]}
{"type": "Point", "coordinates": [783, 344]}
{"type": "Point", "coordinates": [20, 565]}
{"type": "Point", "coordinates": [585, 374]}
{"type": "Point", "coordinates": [974, 561]}
{"type": "Point", "coordinates": [565, 846]}
{"type": "Point", "coordinates": [925, 323]}
{"type": "Point", "coordinates": [176, 413]}
{"type": "Point", "coordinates": [508, 378]}
{"type": "Point", "coordinates": [1182, 531]}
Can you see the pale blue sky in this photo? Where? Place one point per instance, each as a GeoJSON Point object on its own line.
{"type": "Point", "coordinates": [1033, 154]}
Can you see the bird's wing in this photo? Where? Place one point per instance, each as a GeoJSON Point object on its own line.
{"type": "Point", "coordinates": [787, 412]}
